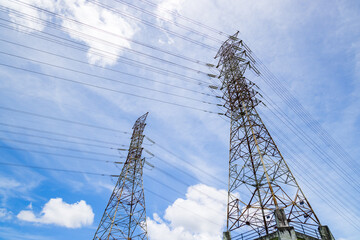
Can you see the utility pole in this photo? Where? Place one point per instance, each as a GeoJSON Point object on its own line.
{"type": "Point", "coordinates": [125, 215]}
{"type": "Point", "coordinates": [264, 199]}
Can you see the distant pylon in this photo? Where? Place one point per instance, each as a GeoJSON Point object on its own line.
{"type": "Point", "coordinates": [125, 215]}
{"type": "Point", "coordinates": [263, 195]}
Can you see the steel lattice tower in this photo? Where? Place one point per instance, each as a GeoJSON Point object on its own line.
{"type": "Point", "coordinates": [263, 194]}
{"type": "Point", "coordinates": [125, 215]}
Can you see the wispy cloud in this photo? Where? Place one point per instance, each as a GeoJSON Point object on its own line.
{"type": "Point", "coordinates": [95, 21]}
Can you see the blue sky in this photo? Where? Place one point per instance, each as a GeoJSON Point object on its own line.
{"type": "Point", "coordinates": [312, 47]}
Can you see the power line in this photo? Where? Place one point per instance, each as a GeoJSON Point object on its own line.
{"type": "Point", "coordinates": [107, 89]}
{"type": "Point", "coordinates": [175, 13]}
{"type": "Point", "coordinates": [57, 154]}
{"type": "Point", "coordinates": [291, 150]}
{"type": "Point", "coordinates": [323, 180]}
{"type": "Point", "coordinates": [330, 141]}
{"type": "Point", "coordinates": [97, 51]}
{"type": "Point", "coordinates": [61, 134]}
{"type": "Point", "coordinates": [117, 11]}
{"type": "Point", "coordinates": [105, 68]}
{"type": "Point", "coordinates": [186, 209]}
{"type": "Point", "coordinates": [89, 173]}
{"type": "Point", "coordinates": [117, 35]}
{"type": "Point", "coordinates": [170, 21]}
{"type": "Point", "coordinates": [75, 45]}
{"type": "Point", "coordinates": [315, 180]}
{"type": "Point", "coordinates": [56, 139]}
{"type": "Point", "coordinates": [187, 162]}
{"type": "Point", "coordinates": [57, 147]}
{"type": "Point", "coordinates": [183, 183]}
{"type": "Point", "coordinates": [275, 84]}
{"type": "Point", "coordinates": [62, 120]}
{"type": "Point", "coordinates": [79, 33]}
{"type": "Point", "coordinates": [106, 78]}
{"type": "Point", "coordinates": [312, 144]}
{"type": "Point", "coordinates": [313, 124]}
{"type": "Point", "coordinates": [53, 169]}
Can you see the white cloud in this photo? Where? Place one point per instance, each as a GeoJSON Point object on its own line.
{"type": "Point", "coordinates": [61, 213]}
{"type": "Point", "coordinates": [10, 188]}
{"type": "Point", "coordinates": [164, 10]}
{"type": "Point", "coordinates": [5, 215]}
{"type": "Point", "coordinates": [7, 183]}
{"type": "Point", "coordinates": [196, 217]}
{"type": "Point", "coordinates": [22, 8]}
{"type": "Point", "coordinates": [169, 5]}
{"type": "Point", "coordinates": [105, 25]}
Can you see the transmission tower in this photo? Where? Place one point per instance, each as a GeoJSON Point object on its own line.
{"type": "Point", "coordinates": [264, 199]}
{"type": "Point", "coordinates": [124, 217]}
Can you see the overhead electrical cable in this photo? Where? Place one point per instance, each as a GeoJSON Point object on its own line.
{"type": "Point", "coordinates": [326, 137]}
{"type": "Point", "coordinates": [317, 151]}
{"type": "Point", "coordinates": [148, 23]}
{"type": "Point", "coordinates": [315, 180]}
{"type": "Point", "coordinates": [322, 183]}
{"type": "Point", "coordinates": [313, 145]}
{"type": "Point", "coordinates": [107, 89]}
{"type": "Point", "coordinates": [61, 134]}
{"type": "Point", "coordinates": [315, 165]}
{"type": "Point", "coordinates": [92, 173]}
{"type": "Point", "coordinates": [57, 154]}
{"type": "Point", "coordinates": [307, 119]}
{"type": "Point", "coordinates": [275, 84]}
{"type": "Point", "coordinates": [176, 14]}
{"type": "Point", "coordinates": [105, 78]}
{"type": "Point", "coordinates": [62, 120]}
{"type": "Point", "coordinates": [83, 35]}
{"type": "Point", "coordinates": [176, 167]}
{"type": "Point", "coordinates": [185, 161]}
{"type": "Point", "coordinates": [58, 147]}
{"type": "Point", "coordinates": [300, 111]}
{"type": "Point", "coordinates": [100, 52]}
{"type": "Point", "coordinates": [192, 30]}
{"type": "Point", "coordinates": [52, 169]}
{"type": "Point", "coordinates": [105, 68]}
{"type": "Point", "coordinates": [185, 184]}
{"type": "Point", "coordinates": [56, 139]}
{"type": "Point", "coordinates": [117, 35]}
{"type": "Point", "coordinates": [186, 209]}
{"type": "Point", "coordinates": [180, 180]}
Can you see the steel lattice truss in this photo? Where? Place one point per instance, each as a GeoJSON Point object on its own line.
{"type": "Point", "coordinates": [259, 178]}
{"type": "Point", "coordinates": [125, 214]}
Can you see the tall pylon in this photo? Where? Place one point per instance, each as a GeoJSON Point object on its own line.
{"type": "Point", "coordinates": [263, 194]}
{"type": "Point", "coordinates": [124, 217]}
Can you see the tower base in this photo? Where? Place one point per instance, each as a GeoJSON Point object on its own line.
{"type": "Point", "coordinates": [284, 231]}
{"type": "Point", "coordinates": [226, 236]}
{"type": "Point", "coordinates": [325, 233]}
{"type": "Point", "coordinates": [288, 233]}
